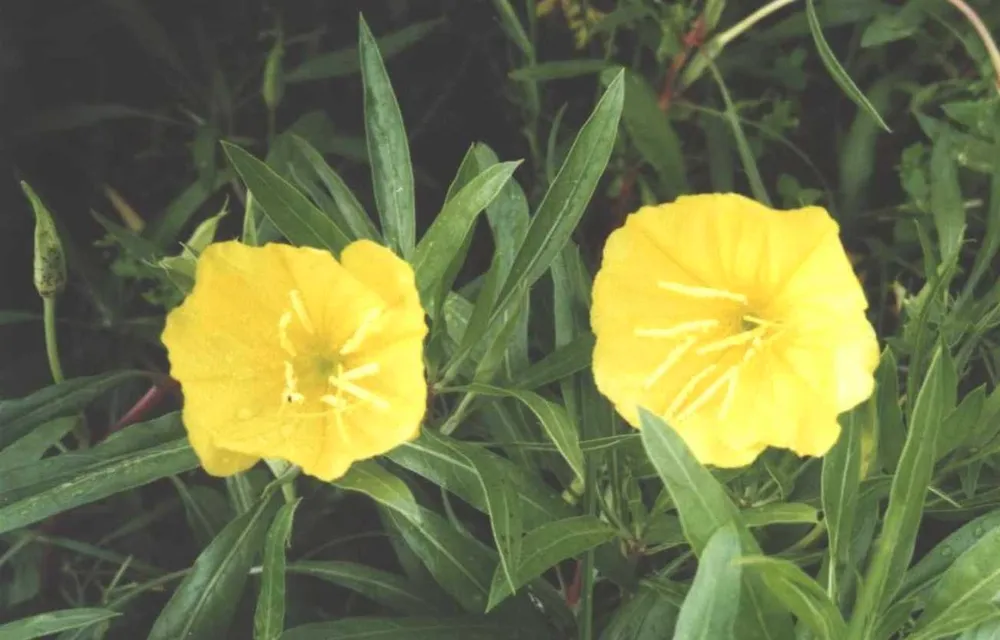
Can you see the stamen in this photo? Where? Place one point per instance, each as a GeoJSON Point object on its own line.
{"type": "Point", "coordinates": [727, 400]}
{"type": "Point", "coordinates": [286, 344]}
{"type": "Point", "coordinates": [708, 393]}
{"type": "Point", "coordinates": [300, 310]}
{"type": "Point", "coordinates": [688, 388]}
{"type": "Point", "coordinates": [338, 382]}
{"type": "Point", "coordinates": [334, 401]}
{"type": "Point", "coordinates": [364, 371]}
{"type": "Point", "coordinates": [676, 330]}
{"type": "Point", "coordinates": [701, 292]}
{"type": "Point", "coordinates": [732, 341]}
{"type": "Point", "coordinates": [352, 343]}
{"type": "Point", "coordinates": [291, 394]}
{"type": "Point", "coordinates": [668, 363]}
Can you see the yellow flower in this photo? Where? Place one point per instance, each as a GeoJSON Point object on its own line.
{"type": "Point", "coordinates": [282, 352]}
{"type": "Point", "coordinates": [742, 326]}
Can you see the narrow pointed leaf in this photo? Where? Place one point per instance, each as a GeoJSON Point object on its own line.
{"type": "Point", "coordinates": [204, 603]}
{"type": "Point", "coordinates": [800, 594]}
{"type": "Point", "coordinates": [388, 149]}
{"type": "Point", "coordinates": [566, 200]}
{"type": "Point", "coordinates": [291, 212]}
{"type": "Point", "coordinates": [547, 546]}
{"type": "Point", "coordinates": [269, 619]}
{"type": "Point", "coordinates": [837, 71]}
{"type": "Point", "coordinates": [710, 608]}
{"type": "Point", "coordinates": [387, 589]}
{"type": "Point", "coordinates": [45, 624]}
{"type": "Point", "coordinates": [446, 235]}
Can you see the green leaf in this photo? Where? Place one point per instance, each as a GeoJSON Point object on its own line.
{"type": "Point", "coordinates": [346, 61]}
{"type": "Point", "coordinates": [840, 481]}
{"type": "Point", "coordinates": [650, 130]}
{"type": "Point", "coordinates": [388, 149]}
{"type": "Point", "coordinates": [445, 462]}
{"type": "Point", "coordinates": [566, 199]}
{"type": "Point", "coordinates": [891, 27]}
{"type": "Point", "coordinates": [269, 618]}
{"type": "Point", "coordinates": [704, 507]}
{"type": "Point", "coordinates": [559, 69]}
{"type": "Point", "coordinates": [371, 479]}
{"type": "Point", "coordinates": [22, 415]}
{"type": "Point", "coordinates": [406, 629]}
{"type": "Point", "coordinates": [779, 513]}
{"type": "Point", "coordinates": [560, 363]}
{"type": "Point", "coordinates": [34, 444]}
{"type": "Point", "coordinates": [286, 207]}
{"type": "Point", "coordinates": [45, 624]}
{"type": "Point", "coordinates": [944, 553]}
{"type": "Point", "coordinates": [446, 235]}
{"type": "Point", "coordinates": [553, 418]}
{"type": "Point", "coordinates": [710, 608]}
{"type": "Point", "coordinates": [747, 157]}
{"type": "Point", "coordinates": [204, 603]}
{"type": "Point", "coordinates": [894, 547]}
{"type": "Point", "coordinates": [353, 214]}
{"type": "Point", "coordinates": [547, 546]}
{"type": "Point", "coordinates": [833, 66]}
{"type": "Point", "coordinates": [966, 593]}
{"type": "Point", "coordinates": [166, 229]}
{"type": "Point", "coordinates": [461, 565]}
{"type": "Point", "coordinates": [648, 615]}
{"type": "Point", "coordinates": [387, 589]}
{"type": "Point", "coordinates": [891, 431]}
{"type": "Point", "coordinates": [800, 594]}
{"type": "Point", "coordinates": [34, 492]}
{"type": "Point", "coordinates": [947, 205]}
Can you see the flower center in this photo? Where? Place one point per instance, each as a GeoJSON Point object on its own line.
{"type": "Point", "coordinates": [732, 337]}
{"type": "Point", "coordinates": [312, 372]}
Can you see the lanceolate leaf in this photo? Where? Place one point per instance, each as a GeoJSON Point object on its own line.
{"type": "Point", "coordinates": [834, 67]}
{"type": "Point", "coordinates": [564, 203]}
{"type": "Point", "coordinates": [894, 547]}
{"type": "Point", "coordinates": [387, 589]}
{"type": "Point", "coordinates": [800, 594]}
{"type": "Point", "coordinates": [269, 620]}
{"type": "Point", "coordinates": [547, 546]}
{"type": "Point", "coordinates": [289, 209]}
{"type": "Point", "coordinates": [388, 149]}
{"type": "Point", "coordinates": [45, 624]}
{"type": "Point", "coordinates": [704, 508]}
{"type": "Point", "coordinates": [204, 603]}
{"type": "Point", "coordinates": [711, 606]}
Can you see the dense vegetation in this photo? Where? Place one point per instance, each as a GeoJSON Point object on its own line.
{"type": "Point", "coordinates": [142, 131]}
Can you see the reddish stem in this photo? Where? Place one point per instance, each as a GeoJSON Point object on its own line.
{"type": "Point", "coordinates": [149, 401]}
{"type": "Point", "coordinates": [693, 39]}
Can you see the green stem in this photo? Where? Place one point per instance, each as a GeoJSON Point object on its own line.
{"type": "Point", "coordinates": [51, 345]}
{"type": "Point", "coordinates": [586, 615]}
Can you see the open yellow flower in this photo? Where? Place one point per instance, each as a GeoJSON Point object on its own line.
{"type": "Point", "coordinates": [284, 352]}
{"type": "Point", "coordinates": [742, 326]}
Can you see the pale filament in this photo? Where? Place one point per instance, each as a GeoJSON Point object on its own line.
{"type": "Point", "coordinates": [291, 393]}
{"type": "Point", "coordinates": [342, 383]}
{"type": "Point", "coordinates": [701, 292]}
{"type": "Point", "coordinates": [732, 341]}
{"type": "Point", "coordinates": [354, 342]}
{"type": "Point", "coordinates": [668, 363]}
{"type": "Point", "coordinates": [676, 330]}
{"type": "Point", "coordinates": [286, 344]}
{"type": "Point", "coordinates": [709, 393]}
{"type": "Point", "coordinates": [689, 388]}
{"type": "Point", "coordinates": [300, 310]}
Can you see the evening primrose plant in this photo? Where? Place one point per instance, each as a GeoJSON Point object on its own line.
{"type": "Point", "coordinates": [701, 432]}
